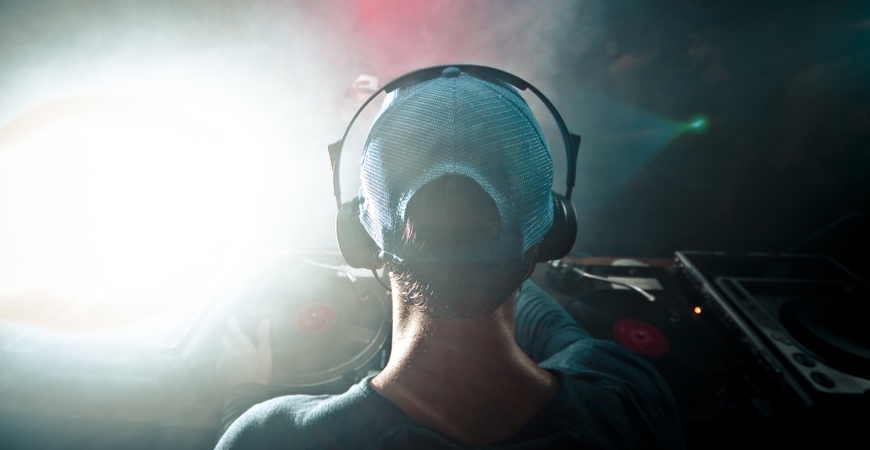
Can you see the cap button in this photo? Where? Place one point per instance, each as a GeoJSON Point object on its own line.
{"type": "Point", "coordinates": [451, 72]}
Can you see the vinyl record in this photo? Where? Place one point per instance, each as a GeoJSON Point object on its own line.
{"type": "Point", "coordinates": [641, 337]}
{"type": "Point", "coordinates": [326, 328]}
{"type": "Point", "coordinates": [687, 353]}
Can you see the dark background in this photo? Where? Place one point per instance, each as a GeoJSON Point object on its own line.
{"type": "Point", "coordinates": [784, 86]}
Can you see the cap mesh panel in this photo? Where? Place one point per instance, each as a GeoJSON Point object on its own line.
{"type": "Point", "coordinates": [458, 125]}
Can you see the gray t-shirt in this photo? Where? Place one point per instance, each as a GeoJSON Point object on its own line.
{"type": "Point", "coordinates": [608, 398]}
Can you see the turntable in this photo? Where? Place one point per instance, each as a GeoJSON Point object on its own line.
{"type": "Point", "coordinates": [801, 318]}
{"type": "Point", "coordinates": [656, 322]}
{"type": "Point", "coordinates": [330, 325]}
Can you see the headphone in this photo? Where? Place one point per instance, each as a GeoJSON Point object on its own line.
{"type": "Point", "coordinates": [360, 250]}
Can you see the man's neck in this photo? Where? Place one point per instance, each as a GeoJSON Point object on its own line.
{"type": "Point", "coordinates": [465, 378]}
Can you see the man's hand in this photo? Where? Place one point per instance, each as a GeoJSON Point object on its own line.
{"type": "Point", "coordinates": [241, 361]}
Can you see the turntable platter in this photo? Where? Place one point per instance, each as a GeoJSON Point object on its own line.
{"type": "Point", "coordinates": [326, 327]}
{"type": "Point", "coordinates": [833, 329]}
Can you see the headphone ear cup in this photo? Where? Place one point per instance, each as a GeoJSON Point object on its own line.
{"type": "Point", "coordinates": [356, 246]}
{"type": "Point", "coordinates": [559, 241]}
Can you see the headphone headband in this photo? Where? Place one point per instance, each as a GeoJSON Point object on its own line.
{"type": "Point", "coordinates": [571, 140]}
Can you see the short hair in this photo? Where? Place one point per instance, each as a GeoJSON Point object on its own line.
{"type": "Point", "coordinates": [452, 214]}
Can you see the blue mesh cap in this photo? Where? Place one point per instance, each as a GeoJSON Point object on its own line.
{"type": "Point", "coordinates": [457, 124]}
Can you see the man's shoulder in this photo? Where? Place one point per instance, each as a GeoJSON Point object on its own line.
{"type": "Point", "coordinates": [305, 420]}
{"type": "Point", "coordinates": [606, 387]}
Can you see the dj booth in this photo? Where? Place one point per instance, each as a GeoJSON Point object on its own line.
{"type": "Point", "coordinates": [765, 349]}
{"type": "Point", "coordinates": [769, 349]}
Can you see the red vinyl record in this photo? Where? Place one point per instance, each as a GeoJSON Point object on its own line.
{"type": "Point", "coordinates": [641, 337]}
{"type": "Point", "coordinates": [314, 318]}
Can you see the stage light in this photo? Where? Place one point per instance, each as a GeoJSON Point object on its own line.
{"type": "Point", "coordinates": [122, 210]}
{"type": "Point", "coordinates": [698, 124]}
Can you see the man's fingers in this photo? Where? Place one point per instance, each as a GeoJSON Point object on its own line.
{"type": "Point", "coordinates": [241, 361]}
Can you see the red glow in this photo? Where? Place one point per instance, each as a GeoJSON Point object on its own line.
{"type": "Point", "coordinates": [404, 35]}
{"type": "Point", "coordinates": [641, 337]}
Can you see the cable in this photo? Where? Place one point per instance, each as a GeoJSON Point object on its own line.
{"type": "Point", "coordinates": [375, 274]}
{"type": "Point", "coordinates": [346, 272]}
{"type": "Point", "coordinates": [329, 266]}
{"type": "Point", "coordinates": [558, 264]}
